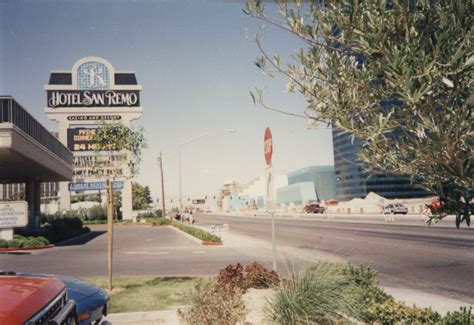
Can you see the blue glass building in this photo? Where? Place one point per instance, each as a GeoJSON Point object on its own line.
{"type": "Point", "coordinates": [352, 182]}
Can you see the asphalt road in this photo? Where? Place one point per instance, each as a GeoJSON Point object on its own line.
{"type": "Point", "coordinates": [437, 259]}
{"type": "Point", "coordinates": [138, 250]}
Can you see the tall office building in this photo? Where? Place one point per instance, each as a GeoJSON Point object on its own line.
{"type": "Point", "coordinates": [352, 182]}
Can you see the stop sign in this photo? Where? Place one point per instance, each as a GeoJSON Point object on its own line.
{"type": "Point", "coordinates": [268, 146]}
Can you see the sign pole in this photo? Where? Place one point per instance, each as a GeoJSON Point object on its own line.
{"type": "Point", "coordinates": [268, 152]}
{"type": "Point", "coordinates": [110, 230]}
{"type": "Point", "coordinates": [274, 252]}
{"type": "Point", "coordinates": [163, 210]}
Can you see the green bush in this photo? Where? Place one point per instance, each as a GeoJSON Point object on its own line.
{"type": "Point", "coordinates": [159, 221]}
{"type": "Point", "coordinates": [64, 228]}
{"type": "Point", "coordinates": [321, 294]}
{"type": "Point", "coordinates": [96, 212]}
{"type": "Point", "coordinates": [146, 215]}
{"type": "Point", "coordinates": [211, 304]}
{"type": "Point", "coordinates": [463, 316]}
{"type": "Point", "coordinates": [196, 232]}
{"type": "Point", "coordinates": [21, 241]}
{"type": "Point", "coordinates": [376, 306]}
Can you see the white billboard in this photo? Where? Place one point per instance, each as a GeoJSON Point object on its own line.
{"type": "Point", "coordinates": [13, 214]}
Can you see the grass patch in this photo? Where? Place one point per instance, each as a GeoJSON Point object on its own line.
{"type": "Point", "coordinates": [145, 293]}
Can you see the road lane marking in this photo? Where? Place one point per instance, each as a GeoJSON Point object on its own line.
{"type": "Point", "coordinates": [199, 252]}
{"type": "Point", "coordinates": [146, 253]}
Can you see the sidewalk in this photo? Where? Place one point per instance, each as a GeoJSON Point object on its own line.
{"type": "Point", "coordinates": [160, 317]}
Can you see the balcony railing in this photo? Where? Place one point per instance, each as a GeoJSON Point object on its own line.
{"type": "Point", "coordinates": [12, 112]}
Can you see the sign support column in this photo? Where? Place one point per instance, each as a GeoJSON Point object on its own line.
{"type": "Point", "coordinates": [270, 202]}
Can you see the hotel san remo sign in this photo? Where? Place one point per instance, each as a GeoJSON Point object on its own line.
{"type": "Point", "coordinates": [82, 99]}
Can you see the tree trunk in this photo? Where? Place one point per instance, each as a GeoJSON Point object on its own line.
{"type": "Point", "coordinates": [110, 229]}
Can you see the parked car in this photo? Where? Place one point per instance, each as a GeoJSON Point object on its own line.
{"type": "Point", "coordinates": [29, 300]}
{"type": "Point", "coordinates": [92, 301]}
{"type": "Point", "coordinates": [314, 208]}
{"type": "Point", "coordinates": [395, 208]}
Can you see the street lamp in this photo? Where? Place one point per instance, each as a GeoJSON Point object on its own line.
{"type": "Point", "coordinates": [179, 155]}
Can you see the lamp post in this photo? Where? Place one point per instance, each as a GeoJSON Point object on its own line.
{"type": "Point", "coordinates": [179, 157]}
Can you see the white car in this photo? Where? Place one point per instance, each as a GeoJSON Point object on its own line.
{"type": "Point", "coordinates": [395, 208]}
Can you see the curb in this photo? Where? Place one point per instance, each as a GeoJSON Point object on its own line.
{"type": "Point", "coordinates": [212, 243]}
{"type": "Point", "coordinates": [12, 249]}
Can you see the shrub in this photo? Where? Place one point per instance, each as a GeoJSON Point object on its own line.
{"type": "Point", "coordinates": [96, 212]}
{"type": "Point", "coordinates": [64, 228]}
{"type": "Point", "coordinates": [146, 215]}
{"type": "Point", "coordinates": [259, 277]}
{"type": "Point", "coordinates": [196, 232]}
{"type": "Point", "coordinates": [374, 305]}
{"type": "Point", "coordinates": [159, 221]}
{"type": "Point", "coordinates": [232, 276]}
{"type": "Point", "coordinates": [321, 294]}
{"type": "Point", "coordinates": [211, 304]}
{"type": "Point", "coordinates": [21, 241]}
{"type": "Point", "coordinates": [3, 243]}
{"type": "Point", "coordinates": [463, 316]}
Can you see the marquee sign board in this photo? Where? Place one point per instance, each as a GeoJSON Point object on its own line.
{"type": "Point", "coordinates": [93, 98]}
{"type": "Point", "coordinates": [82, 161]}
{"type": "Point", "coordinates": [81, 139]}
{"type": "Point", "coordinates": [95, 172]}
{"type": "Point", "coordinates": [81, 99]}
{"type": "Point", "coordinates": [13, 214]}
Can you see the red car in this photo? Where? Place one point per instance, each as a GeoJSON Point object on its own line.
{"type": "Point", "coordinates": [28, 300]}
{"type": "Point", "coordinates": [314, 208]}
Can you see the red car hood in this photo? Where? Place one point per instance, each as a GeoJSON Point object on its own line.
{"type": "Point", "coordinates": [22, 297]}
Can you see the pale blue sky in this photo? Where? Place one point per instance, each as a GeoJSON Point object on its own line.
{"type": "Point", "coordinates": [196, 68]}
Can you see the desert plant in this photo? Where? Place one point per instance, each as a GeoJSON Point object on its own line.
{"type": "Point", "coordinates": [258, 276]}
{"type": "Point", "coordinates": [321, 294]}
{"type": "Point", "coordinates": [232, 276]}
{"type": "Point", "coordinates": [211, 304]}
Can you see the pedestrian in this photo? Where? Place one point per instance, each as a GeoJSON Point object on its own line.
{"type": "Point", "coordinates": [191, 218]}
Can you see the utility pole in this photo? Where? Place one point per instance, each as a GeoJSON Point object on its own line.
{"type": "Point", "coordinates": [160, 161]}
{"type": "Point", "coordinates": [110, 230]}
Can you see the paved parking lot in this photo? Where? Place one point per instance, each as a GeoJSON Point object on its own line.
{"type": "Point", "coordinates": [138, 250]}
